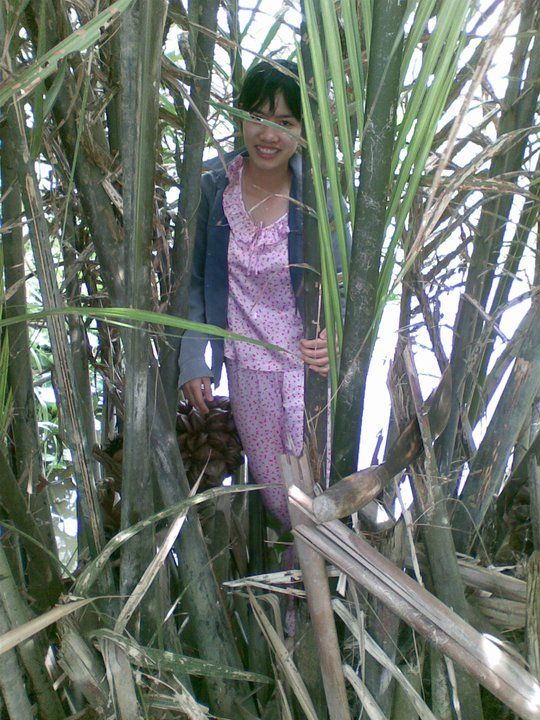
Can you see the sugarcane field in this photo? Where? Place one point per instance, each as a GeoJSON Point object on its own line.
{"type": "Point", "coordinates": [270, 360]}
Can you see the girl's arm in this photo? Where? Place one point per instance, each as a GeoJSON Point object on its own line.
{"type": "Point", "coordinates": [193, 367]}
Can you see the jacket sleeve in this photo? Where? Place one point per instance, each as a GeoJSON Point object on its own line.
{"type": "Point", "coordinates": [193, 346]}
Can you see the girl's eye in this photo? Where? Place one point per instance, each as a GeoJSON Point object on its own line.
{"type": "Point", "coordinates": [286, 123]}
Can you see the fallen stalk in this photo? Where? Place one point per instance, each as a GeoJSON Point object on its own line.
{"type": "Point", "coordinates": [477, 654]}
{"type": "Point", "coordinates": [358, 489]}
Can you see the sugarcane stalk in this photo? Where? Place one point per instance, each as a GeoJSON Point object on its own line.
{"type": "Point", "coordinates": [369, 230]}
{"type": "Point", "coordinates": [27, 453]}
{"type": "Point", "coordinates": [140, 63]}
{"type": "Point", "coordinates": [32, 651]}
{"type": "Point", "coordinates": [14, 502]}
{"type": "Point", "coordinates": [12, 685]}
{"type": "Point", "coordinates": [203, 14]}
{"type": "Point", "coordinates": [297, 474]}
{"type": "Point", "coordinates": [533, 614]}
{"type": "Point", "coordinates": [315, 385]}
{"type": "Point", "coordinates": [533, 466]}
{"type": "Point", "coordinates": [439, 542]}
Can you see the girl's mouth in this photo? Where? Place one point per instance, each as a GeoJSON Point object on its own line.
{"type": "Point", "coordinates": [267, 151]}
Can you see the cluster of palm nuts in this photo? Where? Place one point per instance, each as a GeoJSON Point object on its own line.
{"type": "Point", "coordinates": [209, 445]}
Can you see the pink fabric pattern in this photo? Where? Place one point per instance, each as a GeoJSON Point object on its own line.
{"type": "Point", "coordinates": [261, 302]}
{"type": "Point", "coordinates": [268, 411]}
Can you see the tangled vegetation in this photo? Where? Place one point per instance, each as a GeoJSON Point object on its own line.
{"type": "Point", "coordinates": [421, 126]}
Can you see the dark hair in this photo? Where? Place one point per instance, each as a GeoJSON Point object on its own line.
{"type": "Point", "coordinates": [266, 80]}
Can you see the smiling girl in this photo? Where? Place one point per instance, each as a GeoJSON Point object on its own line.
{"type": "Point", "coordinates": [246, 278]}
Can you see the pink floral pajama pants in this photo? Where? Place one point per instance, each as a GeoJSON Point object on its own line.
{"type": "Point", "coordinates": [268, 409]}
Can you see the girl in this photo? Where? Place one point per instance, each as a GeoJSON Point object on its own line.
{"type": "Point", "coordinates": [246, 278]}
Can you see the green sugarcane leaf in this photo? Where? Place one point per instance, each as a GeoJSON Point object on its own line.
{"type": "Point", "coordinates": [52, 93]}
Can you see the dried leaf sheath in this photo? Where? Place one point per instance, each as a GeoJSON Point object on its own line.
{"type": "Point", "coordinates": [353, 492]}
{"type": "Point", "coordinates": [453, 636]}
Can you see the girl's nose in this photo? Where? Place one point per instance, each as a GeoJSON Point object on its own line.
{"type": "Point", "coordinates": [268, 133]}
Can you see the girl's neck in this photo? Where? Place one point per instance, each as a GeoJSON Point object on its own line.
{"type": "Point", "coordinates": [266, 181]}
{"type": "Point", "coordinates": [265, 194]}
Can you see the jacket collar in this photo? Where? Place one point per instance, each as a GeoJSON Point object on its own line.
{"type": "Point", "coordinates": [215, 165]}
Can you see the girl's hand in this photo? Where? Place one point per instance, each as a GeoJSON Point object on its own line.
{"type": "Point", "coordinates": [199, 391]}
{"type": "Point", "coordinates": [315, 354]}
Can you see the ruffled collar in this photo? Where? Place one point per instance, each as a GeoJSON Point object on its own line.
{"type": "Point", "coordinates": [240, 219]}
{"type": "Point", "coordinates": [254, 236]}
{"type": "Point", "coordinates": [234, 171]}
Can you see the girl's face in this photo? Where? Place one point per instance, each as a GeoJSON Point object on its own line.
{"type": "Point", "coordinates": [268, 148]}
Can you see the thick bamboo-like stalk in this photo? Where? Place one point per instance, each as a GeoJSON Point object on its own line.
{"type": "Point", "coordinates": [35, 543]}
{"type": "Point", "coordinates": [369, 230]}
{"type": "Point", "coordinates": [26, 450]}
{"type": "Point", "coordinates": [315, 386]}
{"type": "Point", "coordinates": [41, 247]}
{"type": "Point", "coordinates": [402, 708]}
{"type": "Point", "coordinates": [258, 651]}
{"type": "Point", "coordinates": [440, 690]}
{"type": "Point", "coordinates": [494, 581]}
{"type": "Point", "coordinates": [504, 614]}
{"type": "Point", "coordinates": [32, 652]}
{"type": "Point", "coordinates": [356, 490]}
{"type": "Point", "coordinates": [476, 653]}
{"type": "Point", "coordinates": [533, 466]}
{"type": "Point", "coordinates": [533, 614]}
{"type": "Point", "coordinates": [439, 542]}
{"type": "Point", "coordinates": [489, 464]}
{"type": "Point", "coordinates": [297, 474]}
{"type": "Point", "coordinates": [12, 685]}
{"type": "Point", "coordinates": [140, 60]}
